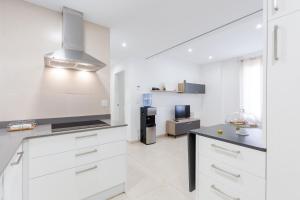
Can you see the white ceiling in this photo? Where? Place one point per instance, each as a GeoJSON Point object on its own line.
{"type": "Point", "coordinates": [149, 26]}
{"type": "Point", "coordinates": [237, 40]}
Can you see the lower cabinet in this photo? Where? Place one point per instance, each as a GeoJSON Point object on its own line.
{"type": "Point", "coordinates": [210, 189]}
{"type": "Point", "coordinates": [80, 182]}
{"type": "Point", "coordinates": [228, 171]}
{"type": "Point", "coordinates": [1, 187]}
{"type": "Point", "coordinates": [77, 166]}
{"type": "Point", "coordinates": [13, 178]}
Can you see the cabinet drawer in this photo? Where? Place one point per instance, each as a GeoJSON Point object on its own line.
{"type": "Point", "coordinates": [232, 177]}
{"type": "Point", "coordinates": [209, 189]}
{"type": "Point", "coordinates": [249, 160]}
{"type": "Point", "coordinates": [56, 162]}
{"type": "Point", "coordinates": [187, 126]}
{"type": "Point", "coordinates": [81, 182]}
{"type": "Point", "coordinates": [61, 143]}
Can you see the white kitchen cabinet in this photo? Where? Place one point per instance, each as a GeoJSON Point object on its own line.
{"type": "Point", "coordinates": [57, 162]}
{"type": "Point", "coordinates": [211, 189]}
{"type": "Point", "coordinates": [279, 8]}
{"type": "Point", "coordinates": [229, 171]}
{"type": "Point", "coordinates": [58, 186]}
{"type": "Point", "coordinates": [77, 166]}
{"type": "Point", "coordinates": [1, 187]}
{"type": "Point", "coordinates": [13, 177]}
{"type": "Point", "coordinates": [226, 152]}
{"type": "Point", "coordinates": [80, 182]}
{"type": "Point", "coordinates": [45, 146]}
{"type": "Point", "coordinates": [283, 108]}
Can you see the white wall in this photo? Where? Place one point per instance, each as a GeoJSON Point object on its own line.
{"type": "Point", "coordinates": [221, 98]}
{"type": "Point", "coordinates": [28, 90]}
{"type": "Point", "coordinates": [142, 75]}
{"type": "Point", "coordinates": [222, 80]}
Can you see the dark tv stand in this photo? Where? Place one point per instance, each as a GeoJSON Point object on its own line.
{"type": "Point", "coordinates": [180, 127]}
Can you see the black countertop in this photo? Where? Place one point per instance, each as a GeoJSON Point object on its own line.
{"type": "Point", "coordinates": [254, 140]}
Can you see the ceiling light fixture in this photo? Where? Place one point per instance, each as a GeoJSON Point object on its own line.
{"type": "Point", "coordinates": [124, 44]}
{"type": "Point", "coordinates": [190, 50]}
{"type": "Point", "coordinates": [210, 57]}
{"type": "Point", "coordinates": [258, 26]}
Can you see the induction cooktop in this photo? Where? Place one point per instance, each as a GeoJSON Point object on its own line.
{"type": "Point", "coordinates": [70, 126]}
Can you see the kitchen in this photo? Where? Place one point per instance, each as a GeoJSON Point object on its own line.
{"type": "Point", "coordinates": [61, 136]}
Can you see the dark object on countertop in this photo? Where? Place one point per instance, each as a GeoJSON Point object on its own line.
{"type": "Point", "coordinates": [70, 126]}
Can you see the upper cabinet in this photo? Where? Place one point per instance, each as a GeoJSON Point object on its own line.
{"type": "Point", "coordinates": [279, 8]}
{"type": "Point", "coordinates": [192, 88]}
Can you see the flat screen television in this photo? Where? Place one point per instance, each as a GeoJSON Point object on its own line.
{"type": "Point", "coordinates": [182, 111]}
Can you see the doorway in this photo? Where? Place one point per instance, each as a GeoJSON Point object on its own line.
{"type": "Point", "coordinates": [119, 99]}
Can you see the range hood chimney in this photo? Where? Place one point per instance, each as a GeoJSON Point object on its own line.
{"type": "Point", "coordinates": [72, 55]}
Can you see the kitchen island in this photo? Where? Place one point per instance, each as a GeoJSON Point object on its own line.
{"type": "Point", "coordinates": [209, 150]}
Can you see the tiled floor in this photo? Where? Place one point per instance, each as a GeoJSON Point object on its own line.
{"type": "Point", "coordinates": [158, 172]}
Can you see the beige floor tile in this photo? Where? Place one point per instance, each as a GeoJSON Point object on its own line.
{"type": "Point", "coordinates": [159, 171]}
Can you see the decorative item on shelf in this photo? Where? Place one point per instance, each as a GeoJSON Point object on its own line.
{"type": "Point", "coordinates": [180, 87]}
{"type": "Point", "coordinates": [21, 125]}
{"type": "Point", "coordinates": [242, 120]}
{"type": "Point", "coordinates": [155, 89]}
{"type": "Point", "coordinates": [163, 87]}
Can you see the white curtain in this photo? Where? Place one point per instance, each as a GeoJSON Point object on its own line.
{"type": "Point", "coordinates": [252, 86]}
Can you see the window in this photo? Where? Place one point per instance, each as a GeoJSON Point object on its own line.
{"type": "Point", "coordinates": [252, 86]}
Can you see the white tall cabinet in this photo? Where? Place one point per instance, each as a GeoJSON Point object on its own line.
{"type": "Point", "coordinates": [283, 100]}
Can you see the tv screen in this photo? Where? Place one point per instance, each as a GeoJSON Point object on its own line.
{"type": "Point", "coordinates": [182, 111]}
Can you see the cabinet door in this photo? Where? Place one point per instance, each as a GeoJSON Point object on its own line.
{"type": "Point", "coordinates": [1, 187]}
{"type": "Point", "coordinates": [278, 8]}
{"type": "Point", "coordinates": [113, 172]}
{"type": "Point", "coordinates": [13, 178]}
{"type": "Point", "coordinates": [283, 108]}
{"type": "Point", "coordinates": [58, 186]}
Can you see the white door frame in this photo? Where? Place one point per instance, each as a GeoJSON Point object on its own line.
{"type": "Point", "coordinates": [119, 97]}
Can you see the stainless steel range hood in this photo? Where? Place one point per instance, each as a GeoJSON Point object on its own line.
{"type": "Point", "coordinates": [72, 55]}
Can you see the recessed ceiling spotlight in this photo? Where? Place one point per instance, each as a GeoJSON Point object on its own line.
{"type": "Point", "coordinates": [259, 26]}
{"type": "Point", "coordinates": [210, 57]}
{"type": "Point", "coordinates": [190, 50]}
{"type": "Point", "coordinates": [124, 44]}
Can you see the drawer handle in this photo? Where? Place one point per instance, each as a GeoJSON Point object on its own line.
{"type": "Point", "coordinates": [213, 187]}
{"type": "Point", "coordinates": [86, 153]}
{"type": "Point", "coordinates": [225, 149]}
{"type": "Point", "coordinates": [86, 170]}
{"type": "Point", "coordinates": [275, 5]}
{"type": "Point", "coordinates": [276, 29]}
{"type": "Point", "coordinates": [86, 136]}
{"type": "Point", "coordinates": [20, 155]}
{"type": "Point", "coordinates": [226, 172]}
